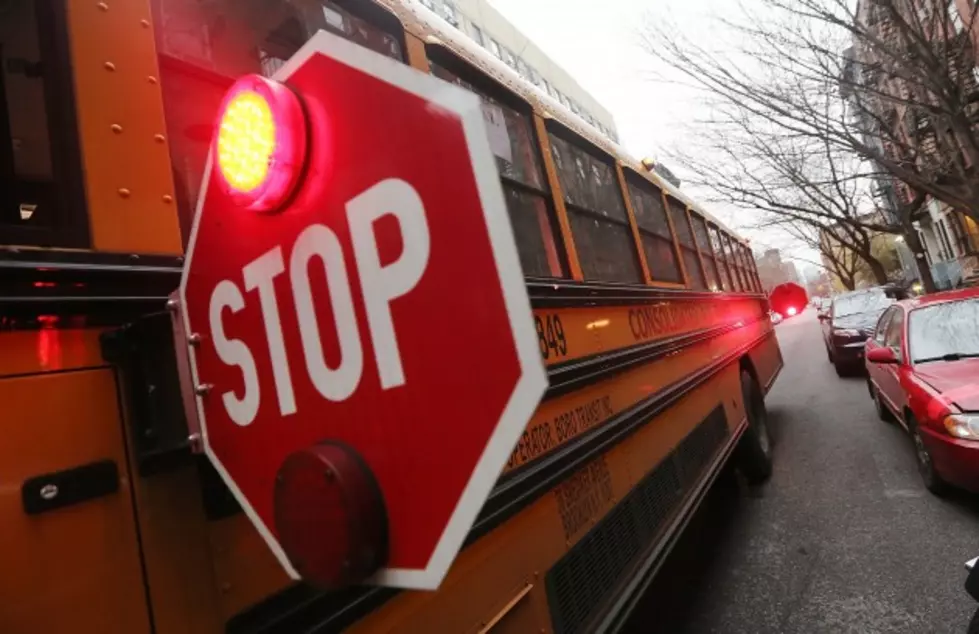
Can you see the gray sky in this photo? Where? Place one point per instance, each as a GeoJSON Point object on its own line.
{"type": "Point", "coordinates": [599, 43]}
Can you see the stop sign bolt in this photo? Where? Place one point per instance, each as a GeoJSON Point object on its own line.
{"type": "Point", "coordinates": [203, 389]}
{"type": "Point", "coordinates": [194, 339]}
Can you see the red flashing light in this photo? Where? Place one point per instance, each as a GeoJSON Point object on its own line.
{"type": "Point", "coordinates": [260, 145]}
{"type": "Point", "coordinates": [330, 515]}
{"type": "Point", "coordinates": [792, 311]}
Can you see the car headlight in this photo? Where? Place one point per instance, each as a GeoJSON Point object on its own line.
{"type": "Point", "coordinates": [963, 426]}
{"type": "Point", "coordinates": [846, 332]}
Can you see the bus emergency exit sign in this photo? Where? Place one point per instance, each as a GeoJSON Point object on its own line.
{"type": "Point", "coordinates": [364, 355]}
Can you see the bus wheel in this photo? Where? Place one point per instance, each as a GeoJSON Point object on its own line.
{"type": "Point", "coordinates": [753, 455]}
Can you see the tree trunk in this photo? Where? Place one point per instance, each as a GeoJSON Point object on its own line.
{"type": "Point", "coordinates": [880, 274]}
{"type": "Point", "coordinates": [918, 251]}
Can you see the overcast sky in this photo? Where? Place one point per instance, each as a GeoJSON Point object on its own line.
{"type": "Point", "coordinates": [599, 43]}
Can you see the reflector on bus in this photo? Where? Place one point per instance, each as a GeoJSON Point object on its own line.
{"type": "Point", "coordinates": [260, 145]}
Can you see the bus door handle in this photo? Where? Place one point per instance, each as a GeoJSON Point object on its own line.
{"type": "Point", "coordinates": [59, 489]}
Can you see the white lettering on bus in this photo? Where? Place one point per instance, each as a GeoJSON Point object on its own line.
{"type": "Point", "coordinates": [380, 285]}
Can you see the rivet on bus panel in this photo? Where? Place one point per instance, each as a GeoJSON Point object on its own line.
{"type": "Point", "coordinates": [103, 6]}
{"type": "Point", "coordinates": [115, 127]}
{"type": "Point", "coordinates": [123, 192]}
{"type": "Point", "coordinates": [167, 198]}
{"type": "Point", "coordinates": [109, 66]}
{"type": "Point", "coordinates": [159, 138]}
{"type": "Point", "coordinates": [151, 79]}
{"type": "Point", "coordinates": [145, 23]}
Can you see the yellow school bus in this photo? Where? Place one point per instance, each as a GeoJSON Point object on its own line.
{"type": "Point", "coordinates": [649, 315]}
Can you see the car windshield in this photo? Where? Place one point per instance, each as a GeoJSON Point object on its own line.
{"type": "Point", "coordinates": [861, 303]}
{"type": "Point", "coordinates": [944, 331]}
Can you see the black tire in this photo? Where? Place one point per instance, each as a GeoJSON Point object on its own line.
{"type": "Point", "coordinates": [974, 624]}
{"type": "Point", "coordinates": [922, 457]}
{"type": "Point", "coordinates": [753, 454]}
{"type": "Point", "coordinates": [882, 412]}
{"type": "Point", "coordinates": [841, 370]}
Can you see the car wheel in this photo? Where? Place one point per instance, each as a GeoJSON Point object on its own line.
{"type": "Point", "coordinates": [882, 412]}
{"type": "Point", "coordinates": [926, 467]}
{"type": "Point", "coordinates": [753, 454]}
{"type": "Point", "coordinates": [841, 370]}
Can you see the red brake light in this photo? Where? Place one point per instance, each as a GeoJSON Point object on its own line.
{"type": "Point", "coordinates": [260, 145]}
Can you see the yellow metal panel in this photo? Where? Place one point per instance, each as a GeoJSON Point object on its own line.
{"type": "Point", "coordinates": [75, 568]}
{"type": "Point", "coordinates": [48, 349]}
{"type": "Point", "coordinates": [572, 333]}
{"type": "Point", "coordinates": [557, 197]}
{"type": "Point", "coordinates": [128, 179]}
{"type": "Point", "coordinates": [560, 420]}
{"type": "Point", "coordinates": [489, 573]}
{"type": "Point", "coordinates": [177, 554]}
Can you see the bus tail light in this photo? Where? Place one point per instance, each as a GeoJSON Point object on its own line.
{"type": "Point", "coordinates": [260, 145]}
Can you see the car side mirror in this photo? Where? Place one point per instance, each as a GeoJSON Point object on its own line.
{"type": "Point", "coordinates": [881, 355]}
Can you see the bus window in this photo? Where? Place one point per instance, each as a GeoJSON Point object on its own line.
{"type": "Point", "coordinates": [204, 46]}
{"type": "Point", "coordinates": [722, 267]}
{"type": "Point", "coordinates": [678, 213]}
{"type": "Point", "coordinates": [34, 104]}
{"type": "Point", "coordinates": [654, 230]}
{"type": "Point", "coordinates": [706, 249]}
{"type": "Point", "coordinates": [524, 187]}
{"type": "Point", "coordinates": [749, 269]}
{"type": "Point", "coordinates": [597, 215]}
{"type": "Point", "coordinates": [732, 264]}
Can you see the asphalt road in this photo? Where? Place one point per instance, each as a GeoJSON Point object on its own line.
{"type": "Point", "coordinates": [844, 538]}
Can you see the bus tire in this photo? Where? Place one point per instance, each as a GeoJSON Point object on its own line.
{"type": "Point", "coordinates": [753, 455]}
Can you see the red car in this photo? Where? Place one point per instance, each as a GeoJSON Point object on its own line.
{"type": "Point", "coordinates": [923, 370]}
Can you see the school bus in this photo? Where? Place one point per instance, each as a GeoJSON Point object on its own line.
{"type": "Point", "coordinates": [649, 314]}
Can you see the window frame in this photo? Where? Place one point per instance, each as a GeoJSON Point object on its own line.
{"type": "Point", "coordinates": [706, 254]}
{"type": "Point", "coordinates": [880, 330]}
{"type": "Point", "coordinates": [557, 129]}
{"type": "Point", "coordinates": [484, 84]}
{"type": "Point", "coordinates": [897, 321]}
{"type": "Point", "coordinates": [632, 178]}
{"type": "Point", "coordinates": [69, 225]}
{"type": "Point", "coordinates": [736, 282]}
{"type": "Point", "coordinates": [683, 210]}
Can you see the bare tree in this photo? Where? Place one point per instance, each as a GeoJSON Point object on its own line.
{"type": "Point", "coordinates": [888, 82]}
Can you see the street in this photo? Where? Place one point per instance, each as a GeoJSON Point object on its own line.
{"type": "Point", "coordinates": [844, 538]}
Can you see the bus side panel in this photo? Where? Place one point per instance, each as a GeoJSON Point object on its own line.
{"type": "Point", "coordinates": [767, 359]}
{"type": "Point", "coordinates": [78, 566]}
{"type": "Point", "coordinates": [177, 554]}
{"type": "Point", "coordinates": [520, 552]}
{"type": "Point", "coordinates": [47, 350]}
{"type": "Point", "coordinates": [128, 179]}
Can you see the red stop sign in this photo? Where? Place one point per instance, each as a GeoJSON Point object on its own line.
{"type": "Point", "coordinates": [383, 309]}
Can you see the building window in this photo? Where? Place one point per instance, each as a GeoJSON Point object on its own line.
{"type": "Point", "coordinates": [494, 48]}
{"type": "Point", "coordinates": [477, 35]}
{"type": "Point", "coordinates": [948, 253]}
{"type": "Point", "coordinates": [596, 212]}
{"type": "Point", "coordinates": [450, 14]}
{"type": "Point", "coordinates": [654, 230]}
{"type": "Point", "coordinates": [508, 58]}
{"type": "Point", "coordinates": [547, 87]}
{"type": "Point", "coordinates": [524, 186]}
{"type": "Point", "coordinates": [523, 69]}
{"type": "Point", "coordinates": [924, 247]}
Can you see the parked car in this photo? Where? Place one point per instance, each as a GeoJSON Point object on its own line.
{"type": "Point", "coordinates": [850, 320]}
{"type": "Point", "coordinates": [923, 371]}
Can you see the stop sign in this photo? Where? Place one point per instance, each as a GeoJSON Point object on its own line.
{"type": "Point", "coordinates": [364, 355]}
